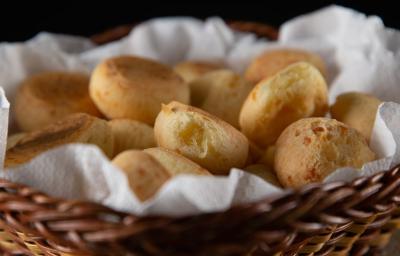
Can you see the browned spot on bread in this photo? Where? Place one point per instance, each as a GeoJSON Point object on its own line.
{"type": "Point", "coordinates": [312, 175]}
{"type": "Point", "coordinates": [141, 172]}
{"type": "Point", "coordinates": [307, 141]}
{"type": "Point", "coordinates": [343, 129]}
{"type": "Point", "coordinates": [318, 129]}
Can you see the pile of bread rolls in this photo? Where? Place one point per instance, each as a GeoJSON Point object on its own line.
{"type": "Point", "coordinates": [199, 118]}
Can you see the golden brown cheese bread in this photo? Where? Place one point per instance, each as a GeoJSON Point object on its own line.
{"type": "Point", "coordinates": [12, 140]}
{"type": "Point", "coordinates": [268, 156]}
{"type": "Point", "coordinates": [205, 139]}
{"type": "Point", "coordinates": [131, 134]}
{"type": "Point", "coordinates": [221, 93]}
{"type": "Point", "coordinates": [255, 153]}
{"type": "Point", "coordinates": [193, 69]}
{"type": "Point", "coordinates": [145, 174]}
{"type": "Point", "coordinates": [76, 128]}
{"type": "Point", "coordinates": [175, 163]}
{"type": "Point", "coordinates": [358, 110]}
{"type": "Point", "coordinates": [264, 172]}
{"type": "Point", "coordinates": [271, 62]}
{"type": "Point", "coordinates": [133, 87]}
{"type": "Point", "coordinates": [296, 92]}
{"type": "Point", "coordinates": [48, 97]}
{"type": "Point", "coordinates": [312, 148]}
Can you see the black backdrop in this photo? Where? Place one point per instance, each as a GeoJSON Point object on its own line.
{"type": "Point", "coordinates": [72, 18]}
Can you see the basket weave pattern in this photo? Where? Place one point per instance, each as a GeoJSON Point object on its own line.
{"type": "Point", "coordinates": [336, 219]}
{"type": "Point", "coordinates": [330, 219]}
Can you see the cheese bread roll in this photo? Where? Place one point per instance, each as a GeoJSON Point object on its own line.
{"type": "Point", "coordinates": [296, 92]}
{"type": "Point", "coordinates": [51, 96]}
{"type": "Point", "coordinates": [175, 163]}
{"type": "Point", "coordinates": [134, 87]}
{"type": "Point", "coordinates": [145, 174]}
{"type": "Point", "coordinates": [131, 134]}
{"type": "Point", "coordinates": [222, 94]}
{"type": "Point", "coordinates": [271, 62]}
{"type": "Point", "coordinates": [205, 139]}
{"type": "Point", "coordinates": [264, 172]}
{"type": "Point", "coordinates": [192, 69]}
{"type": "Point", "coordinates": [312, 148]}
{"type": "Point", "coordinates": [356, 109]}
{"type": "Point", "coordinates": [76, 128]}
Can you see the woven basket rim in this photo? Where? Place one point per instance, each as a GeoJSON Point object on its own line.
{"type": "Point", "coordinates": [312, 210]}
{"type": "Point", "coordinates": [259, 29]}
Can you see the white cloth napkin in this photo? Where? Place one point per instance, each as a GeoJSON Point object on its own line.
{"type": "Point", "coordinates": [361, 54]}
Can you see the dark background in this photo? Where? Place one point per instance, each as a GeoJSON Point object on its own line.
{"type": "Point", "coordinates": [72, 18]}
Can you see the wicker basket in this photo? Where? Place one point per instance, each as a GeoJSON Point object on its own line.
{"type": "Point", "coordinates": [356, 218]}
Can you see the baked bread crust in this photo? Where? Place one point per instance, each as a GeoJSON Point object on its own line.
{"type": "Point", "coordinates": [134, 87]}
{"type": "Point", "coordinates": [205, 139]}
{"type": "Point", "coordinates": [51, 96]}
{"type": "Point", "coordinates": [310, 149]}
